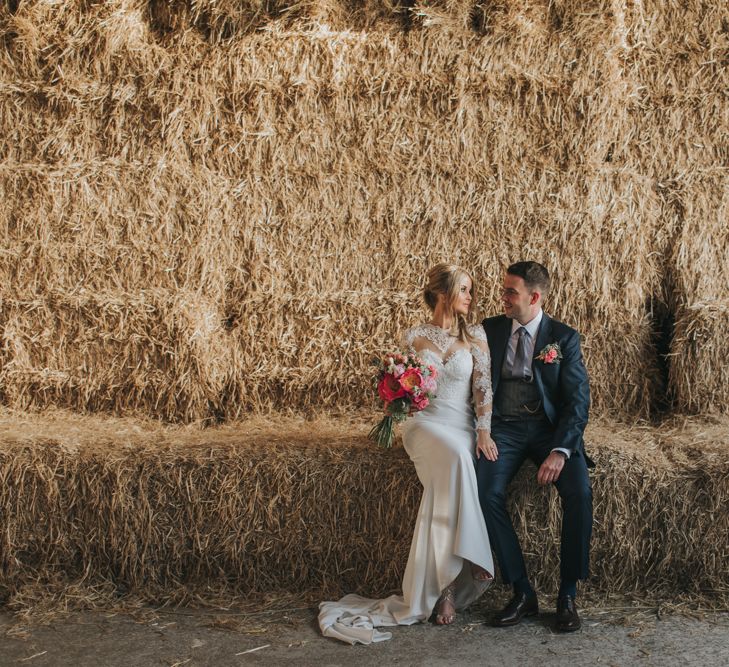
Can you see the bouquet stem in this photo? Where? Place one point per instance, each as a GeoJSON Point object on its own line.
{"type": "Point", "coordinates": [383, 432]}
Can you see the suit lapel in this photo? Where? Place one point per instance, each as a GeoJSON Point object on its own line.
{"type": "Point", "coordinates": [498, 351]}
{"type": "Point", "coordinates": [543, 336]}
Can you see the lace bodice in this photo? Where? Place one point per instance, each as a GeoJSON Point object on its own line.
{"type": "Point", "coordinates": [464, 371]}
{"type": "Point", "coordinates": [454, 376]}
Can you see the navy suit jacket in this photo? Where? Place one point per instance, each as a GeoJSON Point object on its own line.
{"type": "Point", "coordinates": [563, 385]}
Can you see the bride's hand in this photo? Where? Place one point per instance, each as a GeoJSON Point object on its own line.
{"type": "Point", "coordinates": [486, 446]}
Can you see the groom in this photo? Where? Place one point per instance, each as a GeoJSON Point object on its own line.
{"type": "Point", "coordinates": [541, 402]}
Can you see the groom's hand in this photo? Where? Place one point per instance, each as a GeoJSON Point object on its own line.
{"type": "Point", "coordinates": [550, 469]}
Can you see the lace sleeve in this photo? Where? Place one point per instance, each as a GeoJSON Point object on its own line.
{"type": "Point", "coordinates": [482, 391]}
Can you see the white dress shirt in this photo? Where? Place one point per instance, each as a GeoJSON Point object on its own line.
{"type": "Point", "coordinates": [532, 328]}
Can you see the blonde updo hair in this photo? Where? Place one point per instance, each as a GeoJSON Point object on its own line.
{"type": "Point", "coordinates": [446, 279]}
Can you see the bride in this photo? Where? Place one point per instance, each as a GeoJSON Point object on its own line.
{"type": "Point", "coordinates": [450, 562]}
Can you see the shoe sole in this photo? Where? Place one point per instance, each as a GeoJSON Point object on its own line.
{"type": "Point", "coordinates": [568, 629]}
{"type": "Point", "coordinates": [511, 624]}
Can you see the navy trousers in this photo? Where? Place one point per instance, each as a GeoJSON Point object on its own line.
{"type": "Point", "coordinates": [516, 442]}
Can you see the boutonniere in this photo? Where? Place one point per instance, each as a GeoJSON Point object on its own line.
{"type": "Point", "coordinates": [550, 354]}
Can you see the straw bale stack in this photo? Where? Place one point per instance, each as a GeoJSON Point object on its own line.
{"type": "Point", "coordinates": [684, 132]}
{"type": "Point", "coordinates": [171, 514]}
{"type": "Point", "coordinates": [300, 174]}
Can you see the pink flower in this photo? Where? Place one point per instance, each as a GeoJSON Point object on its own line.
{"type": "Point", "coordinates": [389, 389]}
{"type": "Point", "coordinates": [429, 385]}
{"type": "Point", "coordinates": [420, 402]}
{"type": "Point", "coordinates": [399, 370]}
{"type": "Point", "coordinates": [550, 354]}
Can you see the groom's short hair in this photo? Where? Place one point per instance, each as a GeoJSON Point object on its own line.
{"type": "Point", "coordinates": [533, 274]}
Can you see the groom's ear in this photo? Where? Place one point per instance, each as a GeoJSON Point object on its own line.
{"type": "Point", "coordinates": [534, 298]}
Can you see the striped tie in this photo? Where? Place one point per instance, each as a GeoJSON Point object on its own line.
{"type": "Point", "coordinates": [521, 370]}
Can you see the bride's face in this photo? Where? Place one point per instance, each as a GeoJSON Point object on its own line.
{"type": "Point", "coordinates": [462, 304]}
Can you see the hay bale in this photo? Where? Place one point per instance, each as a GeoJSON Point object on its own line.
{"type": "Point", "coordinates": [699, 200]}
{"type": "Point", "coordinates": [174, 514]}
{"type": "Point", "coordinates": [699, 373]}
{"type": "Point", "coordinates": [152, 352]}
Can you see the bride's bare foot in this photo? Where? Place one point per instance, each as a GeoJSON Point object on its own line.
{"type": "Point", "coordinates": [445, 608]}
{"type": "Point", "coordinates": [479, 574]}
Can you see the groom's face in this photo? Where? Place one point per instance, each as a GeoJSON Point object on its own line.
{"type": "Point", "coordinates": [519, 302]}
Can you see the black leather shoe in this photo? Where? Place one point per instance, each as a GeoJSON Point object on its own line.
{"type": "Point", "coordinates": [519, 606]}
{"type": "Point", "coordinates": [568, 620]}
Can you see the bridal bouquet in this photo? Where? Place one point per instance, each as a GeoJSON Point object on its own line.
{"type": "Point", "coordinates": [405, 385]}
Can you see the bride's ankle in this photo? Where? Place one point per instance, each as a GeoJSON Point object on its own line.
{"type": "Point", "coordinates": [480, 574]}
{"type": "Point", "coordinates": [445, 607]}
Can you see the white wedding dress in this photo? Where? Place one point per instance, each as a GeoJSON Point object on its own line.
{"type": "Point", "coordinates": [450, 532]}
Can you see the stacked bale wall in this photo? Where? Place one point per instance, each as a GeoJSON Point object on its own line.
{"type": "Point", "coordinates": [214, 208]}
{"type": "Point", "coordinates": [686, 119]}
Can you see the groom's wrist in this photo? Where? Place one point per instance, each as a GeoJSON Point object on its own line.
{"type": "Point", "coordinates": [564, 452]}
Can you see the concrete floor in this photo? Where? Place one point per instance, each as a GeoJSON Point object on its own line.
{"type": "Point", "coordinates": [203, 637]}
